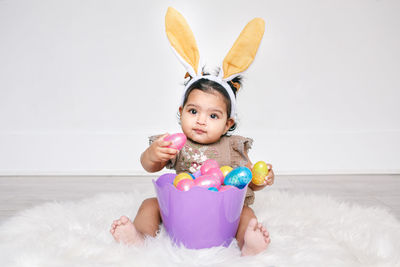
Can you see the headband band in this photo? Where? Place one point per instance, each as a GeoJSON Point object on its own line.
{"type": "Point", "coordinates": [221, 82]}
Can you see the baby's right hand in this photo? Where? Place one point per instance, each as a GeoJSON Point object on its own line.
{"type": "Point", "coordinates": [159, 150]}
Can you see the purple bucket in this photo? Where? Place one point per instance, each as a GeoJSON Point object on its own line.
{"type": "Point", "coordinates": [199, 218]}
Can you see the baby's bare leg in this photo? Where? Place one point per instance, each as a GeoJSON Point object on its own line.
{"type": "Point", "coordinates": [245, 217]}
{"type": "Point", "coordinates": [252, 237]}
{"type": "Point", "coordinates": [148, 218]}
{"type": "Point", "coordinates": [146, 222]}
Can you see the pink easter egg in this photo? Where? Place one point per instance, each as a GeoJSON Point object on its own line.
{"type": "Point", "coordinates": [207, 181]}
{"type": "Point", "coordinates": [178, 140]}
{"type": "Point", "coordinates": [217, 173]}
{"type": "Point", "coordinates": [208, 164]}
{"type": "Point", "coordinates": [185, 184]}
{"type": "Point", "coordinates": [225, 187]}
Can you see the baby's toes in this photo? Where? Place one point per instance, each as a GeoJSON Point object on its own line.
{"type": "Point", "coordinates": [115, 224]}
{"type": "Point", "coordinates": [124, 220]}
{"type": "Point", "coordinates": [265, 232]}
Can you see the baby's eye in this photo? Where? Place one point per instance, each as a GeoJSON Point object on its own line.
{"type": "Point", "coordinates": [214, 116]}
{"type": "Point", "coordinates": [192, 111]}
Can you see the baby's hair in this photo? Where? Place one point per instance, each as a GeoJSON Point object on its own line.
{"type": "Point", "coordinates": [206, 85]}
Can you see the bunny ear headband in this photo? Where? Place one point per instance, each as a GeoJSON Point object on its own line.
{"type": "Point", "coordinates": [235, 62]}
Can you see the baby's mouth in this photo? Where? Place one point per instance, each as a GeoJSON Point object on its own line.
{"type": "Point", "coordinates": [199, 131]}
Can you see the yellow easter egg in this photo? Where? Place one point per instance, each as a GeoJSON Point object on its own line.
{"type": "Point", "coordinates": [257, 179]}
{"type": "Point", "coordinates": [180, 177]}
{"type": "Point", "coordinates": [225, 170]}
{"type": "Point", "coordinates": [259, 171]}
{"type": "Point", "coordinates": [261, 168]}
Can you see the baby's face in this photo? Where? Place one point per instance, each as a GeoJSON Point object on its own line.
{"type": "Point", "coordinates": [204, 117]}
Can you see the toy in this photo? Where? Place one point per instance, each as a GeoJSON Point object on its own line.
{"type": "Point", "coordinates": [199, 218]}
{"type": "Point", "coordinates": [208, 164]}
{"type": "Point", "coordinates": [165, 179]}
{"type": "Point", "coordinates": [185, 184]}
{"type": "Point", "coordinates": [217, 173]}
{"type": "Point", "coordinates": [238, 177]}
{"type": "Point", "coordinates": [259, 171]}
{"type": "Point", "coordinates": [226, 169]}
{"type": "Point", "coordinates": [182, 176]}
{"type": "Point", "coordinates": [178, 140]}
{"type": "Point", "coordinates": [207, 181]}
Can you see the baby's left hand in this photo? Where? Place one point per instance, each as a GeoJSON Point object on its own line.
{"type": "Point", "coordinates": [269, 180]}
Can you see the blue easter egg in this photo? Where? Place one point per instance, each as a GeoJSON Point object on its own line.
{"type": "Point", "coordinates": [238, 177]}
{"type": "Point", "coordinates": [213, 189]}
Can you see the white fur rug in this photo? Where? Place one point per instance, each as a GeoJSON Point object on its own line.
{"type": "Point", "coordinates": [305, 230]}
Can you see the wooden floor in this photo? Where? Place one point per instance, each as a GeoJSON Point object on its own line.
{"type": "Point", "coordinates": [19, 193]}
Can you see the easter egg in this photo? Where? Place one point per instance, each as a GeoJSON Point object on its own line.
{"type": "Point", "coordinates": [238, 177]}
{"type": "Point", "coordinates": [182, 176]}
{"type": "Point", "coordinates": [217, 173]}
{"type": "Point", "coordinates": [226, 169]}
{"type": "Point", "coordinates": [213, 189]}
{"type": "Point", "coordinates": [259, 171]}
{"type": "Point", "coordinates": [208, 164]}
{"type": "Point", "coordinates": [178, 140]}
{"type": "Point", "coordinates": [207, 181]}
{"type": "Point", "coordinates": [185, 184]}
{"type": "Point", "coordinates": [258, 179]}
{"type": "Point", "coordinates": [225, 187]}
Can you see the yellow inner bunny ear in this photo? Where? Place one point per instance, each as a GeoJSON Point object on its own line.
{"type": "Point", "coordinates": [182, 39]}
{"type": "Point", "coordinates": [244, 49]}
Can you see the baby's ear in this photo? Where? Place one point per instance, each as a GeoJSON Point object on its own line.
{"type": "Point", "coordinates": [229, 123]}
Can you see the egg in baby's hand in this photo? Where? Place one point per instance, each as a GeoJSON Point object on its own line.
{"type": "Point", "coordinates": [178, 140]}
{"type": "Point", "coordinates": [259, 171]}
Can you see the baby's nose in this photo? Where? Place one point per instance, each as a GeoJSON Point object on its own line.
{"type": "Point", "coordinates": [201, 119]}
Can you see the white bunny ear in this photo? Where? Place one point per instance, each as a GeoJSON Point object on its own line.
{"type": "Point", "coordinates": [243, 50]}
{"type": "Point", "coordinates": [182, 41]}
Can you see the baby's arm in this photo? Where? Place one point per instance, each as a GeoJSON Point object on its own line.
{"type": "Point", "coordinates": [156, 156]}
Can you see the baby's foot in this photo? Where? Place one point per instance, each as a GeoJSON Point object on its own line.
{"type": "Point", "coordinates": [125, 232]}
{"type": "Point", "coordinates": [256, 238]}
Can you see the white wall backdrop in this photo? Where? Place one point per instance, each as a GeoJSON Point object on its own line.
{"type": "Point", "coordinates": [83, 83]}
